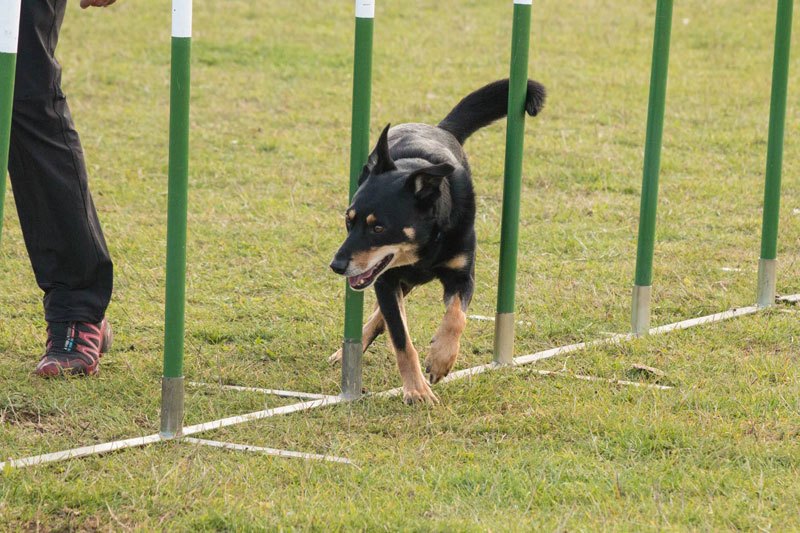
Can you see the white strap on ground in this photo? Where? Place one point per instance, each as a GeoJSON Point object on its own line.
{"type": "Point", "coordinates": [274, 392]}
{"type": "Point", "coordinates": [483, 318]}
{"type": "Point", "coordinates": [605, 380]}
{"type": "Point", "coordinates": [268, 451]}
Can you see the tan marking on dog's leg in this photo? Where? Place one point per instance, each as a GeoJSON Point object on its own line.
{"type": "Point", "coordinates": [415, 387]}
{"type": "Point", "coordinates": [335, 357]}
{"type": "Point", "coordinates": [410, 233]}
{"type": "Point", "coordinates": [459, 262]}
{"type": "Point", "coordinates": [373, 327]}
{"type": "Point", "coordinates": [444, 348]}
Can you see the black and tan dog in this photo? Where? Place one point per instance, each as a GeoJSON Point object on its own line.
{"type": "Point", "coordinates": [412, 220]}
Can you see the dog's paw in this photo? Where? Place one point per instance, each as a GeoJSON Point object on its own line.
{"type": "Point", "coordinates": [336, 357]}
{"type": "Point", "coordinates": [441, 357]}
{"type": "Point", "coordinates": [419, 393]}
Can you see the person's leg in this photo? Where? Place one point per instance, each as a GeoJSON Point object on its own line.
{"type": "Point", "coordinates": [48, 176]}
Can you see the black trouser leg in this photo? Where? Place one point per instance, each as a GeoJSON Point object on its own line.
{"type": "Point", "coordinates": [48, 176]}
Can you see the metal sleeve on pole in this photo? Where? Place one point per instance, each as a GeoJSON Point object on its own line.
{"type": "Point", "coordinates": [172, 385]}
{"type": "Point", "coordinates": [772, 184]}
{"type": "Point", "coordinates": [9, 33]}
{"type": "Point", "coordinates": [359, 151]}
{"type": "Point", "coordinates": [172, 397]}
{"type": "Point", "coordinates": [512, 183]}
{"type": "Point", "coordinates": [652, 160]}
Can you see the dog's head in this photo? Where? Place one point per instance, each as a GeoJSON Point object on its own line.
{"type": "Point", "coordinates": [394, 213]}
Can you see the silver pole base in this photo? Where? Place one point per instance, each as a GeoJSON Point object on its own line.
{"type": "Point", "coordinates": [351, 370]}
{"type": "Point", "coordinates": [640, 310]}
{"type": "Point", "coordinates": [767, 279]}
{"type": "Point", "coordinates": [504, 338]}
{"type": "Point", "coordinates": [171, 407]}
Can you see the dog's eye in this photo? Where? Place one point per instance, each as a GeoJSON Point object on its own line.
{"type": "Point", "coordinates": [348, 223]}
{"type": "Point", "coordinates": [377, 229]}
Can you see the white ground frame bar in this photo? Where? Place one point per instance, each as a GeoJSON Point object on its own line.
{"type": "Point", "coordinates": [791, 299]}
{"type": "Point", "coordinates": [136, 442]}
{"type": "Point", "coordinates": [333, 400]}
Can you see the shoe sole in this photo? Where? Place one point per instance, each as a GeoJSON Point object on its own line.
{"type": "Point", "coordinates": [52, 370]}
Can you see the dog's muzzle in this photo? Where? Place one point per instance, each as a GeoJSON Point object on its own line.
{"type": "Point", "coordinates": [361, 280]}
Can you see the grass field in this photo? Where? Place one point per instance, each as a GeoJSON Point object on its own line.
{"type": "Point", "coordinates": [505, 451]}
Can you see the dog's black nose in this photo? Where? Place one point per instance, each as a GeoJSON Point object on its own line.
{"type": "Point", "coordinates": [339, 265]}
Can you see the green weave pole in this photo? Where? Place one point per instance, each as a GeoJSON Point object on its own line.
{"type": "Point", "coordinates": [512, 182]}
{"type": "Point", "coordinates": [359, 151]}
{"type": "Point", "coordinates": [177, 206]}
{"type": "Point", "coordinates": [9, 30]}
{"type": "Point", "coordinates": [652, 159]}
{"type": "Point", "coordinates": [772, 185]}
{"type": "Point", "coordinates": [172, 383]}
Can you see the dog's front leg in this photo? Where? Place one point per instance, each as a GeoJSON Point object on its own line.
{"type": "Point", "coordinates": [390, 300]}
{"type": "Point", "coordinates": [373, 327]}
{"type": "Point", "coordinates": [446, 342]}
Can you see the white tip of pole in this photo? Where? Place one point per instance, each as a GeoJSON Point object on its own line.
{"type": "Point", "coordinates": [524, 2]}
{"type": "Point", "coordinates": [365, 9]}
{"type": "Point", "coordinates": [9, 25]}
{"type": "Point", "coordinates": [181, 18]}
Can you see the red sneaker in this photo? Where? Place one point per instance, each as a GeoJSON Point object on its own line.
{"type": "Point", "coordinates": [74, 348]}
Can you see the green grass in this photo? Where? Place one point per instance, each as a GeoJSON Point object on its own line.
{"type": "Point", "coordinates": [509, 450]}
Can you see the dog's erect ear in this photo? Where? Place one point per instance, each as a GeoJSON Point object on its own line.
{"type": "Point", "coordinates": [379, 160]}
{"type": "Point", "coordinates": [364, 175]}
{"type": "Point", "coordinates": [426, 182]}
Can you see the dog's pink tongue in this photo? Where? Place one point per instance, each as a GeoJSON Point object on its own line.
{"type": "Point", "coordinates": [356, 280]}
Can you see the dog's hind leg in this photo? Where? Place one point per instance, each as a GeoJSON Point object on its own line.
{"type": "Point", "coordinates": [444, 347]}
{"type": "Point", "coordinates": [372, 328]}
{"type": "Point", "coordinates": [415, 388]}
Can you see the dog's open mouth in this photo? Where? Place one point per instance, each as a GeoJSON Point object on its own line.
{"type": "Point", "coordinates": [364, 280]}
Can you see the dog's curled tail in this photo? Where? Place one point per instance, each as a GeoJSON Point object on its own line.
{"type": "Point", "coordinates": [489, 103]}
